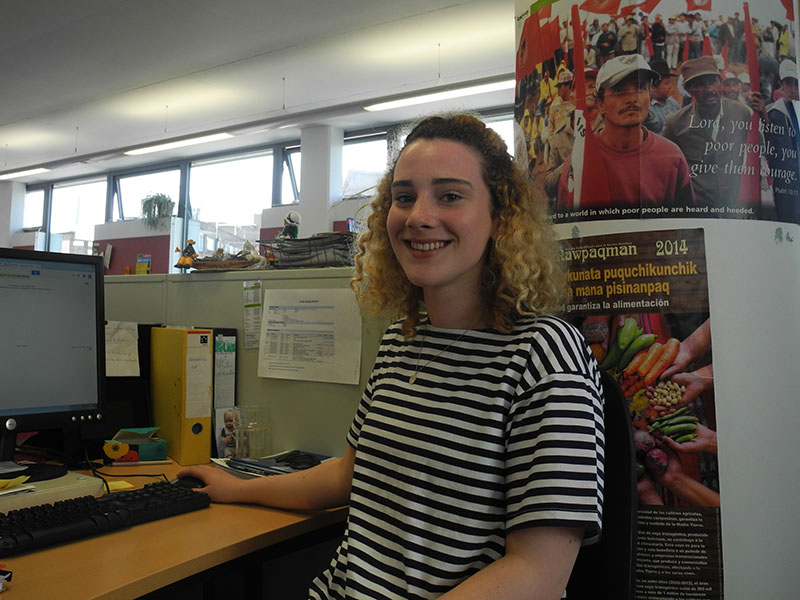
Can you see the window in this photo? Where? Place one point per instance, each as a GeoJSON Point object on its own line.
{"type": "Point", "coordinates": [364, 162]}
{"type": "Point", "coordinates": [227, 196]}
{"type": "Point", "coordinates": [132, 189]}
{"type": "Point", "coordinates": [290, 178]}
{"type": "Point", "coordinates": [33, 209]}
{"type": "Point", "coordinates": [75, 209]}
{"type": "Point", "coordinates": [505, 129]}
{"type": "Point", "coordinates": [502, 123]}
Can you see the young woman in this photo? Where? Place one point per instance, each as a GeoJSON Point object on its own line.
{"type": "Point", "coordinates": [474, 463]}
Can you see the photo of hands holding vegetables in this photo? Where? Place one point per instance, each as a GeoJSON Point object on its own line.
{"type": "Point", "coordinates": [668, 383]}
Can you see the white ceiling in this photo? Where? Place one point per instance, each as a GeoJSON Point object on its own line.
{"type": "Point", "coordinates": [83, 80]}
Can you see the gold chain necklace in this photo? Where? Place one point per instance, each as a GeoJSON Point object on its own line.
{"type": "Point", "coordinates": [419, 367]}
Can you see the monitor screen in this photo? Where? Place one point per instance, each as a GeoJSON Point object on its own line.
{"type": "Point", "coordinates": [52, 350]}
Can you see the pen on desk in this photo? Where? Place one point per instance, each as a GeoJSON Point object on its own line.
{"type": "Point", "coordinates": [140, 462]}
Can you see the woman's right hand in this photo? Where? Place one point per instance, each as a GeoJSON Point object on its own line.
{"type": "Point", "coordinates": [219, 485]}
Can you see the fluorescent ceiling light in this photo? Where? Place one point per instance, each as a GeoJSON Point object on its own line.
{"type": "Point", "coordinates": [24, 173]}
{"type": "Point", "coordinates": [179, 144]}
{"type": "Point", "coordinates": [447, 95]}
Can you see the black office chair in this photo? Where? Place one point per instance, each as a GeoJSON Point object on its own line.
{"type": "Point", "coordinates": [606, 570]}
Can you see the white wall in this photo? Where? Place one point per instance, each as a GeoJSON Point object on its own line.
{"type": "Point", "coordinates": [12, 198]}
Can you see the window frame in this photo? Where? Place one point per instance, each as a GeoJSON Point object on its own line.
{"type": "Point", "coordinates": [281, 153]}
{"type": "Point", "coordinates": [367, 135]}
{"type": "Point", "coordinates": [183, 165]}
{"type": "Point", "coordinates": [113, 186]}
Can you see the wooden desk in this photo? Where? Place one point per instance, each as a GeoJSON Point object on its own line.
{"type": "Point", "coordinates": [138, 560]}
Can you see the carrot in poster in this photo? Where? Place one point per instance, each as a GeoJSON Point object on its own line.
{"type": "Point", "coordinates": [664, 360]}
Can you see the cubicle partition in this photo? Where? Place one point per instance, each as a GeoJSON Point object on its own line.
{"type": "Point", "coordinates": [310, 415]}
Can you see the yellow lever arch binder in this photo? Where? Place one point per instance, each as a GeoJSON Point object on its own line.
{"type": "Point", "coordinates": [181, 372]}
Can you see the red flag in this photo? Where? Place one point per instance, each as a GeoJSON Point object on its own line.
{"type": "Point", "coordinates": [648, 39]}
{"type": "Point", "coordinates": [750, 51]}
{"type": "Point", "coordinates": [587, 167]}
{"type": "Point", "coordinates": [648, 6]}
{"type": "Point", "coordinates": [547, 41]}
{"type": "Point", "coordinates": [578, 62]}
{"type": "Point", "coordinates": [693, 5]}
{"type": "Point", "coordinates": [627, 10]}
{"type": "Point", "coordinates": [724, 53]}
{"type": "Point", "coordinates": [789, 6]}
{"type": "Point", "coordinates": [750, 178]}
{"type": "Point", "coordinates": [529, 52]}
{"type": "Point", "coordinates": [601, 7]}
{"type": "Point", "coordinates": [553, 37]}
{"type": "Point", "coordinates": [545, 12]}
{"type": "Point", "coordinates": [707, 50]}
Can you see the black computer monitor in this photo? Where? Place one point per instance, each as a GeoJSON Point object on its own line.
{"type": "Point", "coordinates": [52, 346]}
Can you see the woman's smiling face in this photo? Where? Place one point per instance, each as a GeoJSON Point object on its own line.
{"type": "Point", "coordinates": [440, 220]}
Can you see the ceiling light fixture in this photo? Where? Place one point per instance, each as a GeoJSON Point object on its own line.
{"type": "Point", "coordinates": [179, 144]}
{"type": "Point", "coordinates": [24, 173]}
{"type": "Point", "coordinates": [445, 95]}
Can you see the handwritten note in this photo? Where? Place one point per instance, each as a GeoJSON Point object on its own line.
{"type": "Point", "coordinates": [122, 350]}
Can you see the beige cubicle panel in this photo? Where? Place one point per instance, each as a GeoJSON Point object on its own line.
{"type": "Point", "coordinates": [300, 414]}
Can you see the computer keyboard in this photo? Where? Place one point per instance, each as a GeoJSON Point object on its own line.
{"type": "Point", "coordinates": [45, 525]}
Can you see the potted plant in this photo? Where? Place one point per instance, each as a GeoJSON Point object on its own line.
{"type": "Point", "coordinates": [154, 208]}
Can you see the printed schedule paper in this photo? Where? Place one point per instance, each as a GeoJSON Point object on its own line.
{"type": "Point", "coordinates": [313, 335]}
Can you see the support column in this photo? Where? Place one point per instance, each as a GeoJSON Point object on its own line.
{"type": "Point", "coordinates": [320, 178]}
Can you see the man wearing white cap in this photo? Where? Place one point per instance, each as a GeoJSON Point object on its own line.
{"type": "Point", "coordinates": [672, 41]}
{"type": "Point", "coordinates": [788, 74]}
{"type": "Point", "coordinates": [731, 86]}
{"type": "Point", "coordinates": [781, 132]}
{"type": "Point", "coordinates": [710, 132]}
{"type": "Point", "coordinates": [642, 168]}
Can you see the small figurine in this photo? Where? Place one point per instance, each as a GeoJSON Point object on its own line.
{"type": "Point", "coordinates": [188, 254]}
{"type": "Point", "coordinates": [4, 576]}
{"type": "Point", "coordinates": [291, 225]}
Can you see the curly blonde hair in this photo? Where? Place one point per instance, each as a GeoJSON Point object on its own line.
{"type": "Point", "coordinates": [522, 274]}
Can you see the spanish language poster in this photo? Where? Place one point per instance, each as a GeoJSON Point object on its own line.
{"type": "Point", "coordinates": [641, 301]}
{"type": "Point", "coordinates": [659, 108]}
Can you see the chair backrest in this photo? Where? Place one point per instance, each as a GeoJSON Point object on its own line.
{"type": "Point", "coordinates": [606, 570]}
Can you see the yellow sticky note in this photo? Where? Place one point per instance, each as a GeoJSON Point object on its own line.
{"type": "Point", "coordinates": [119, 485]}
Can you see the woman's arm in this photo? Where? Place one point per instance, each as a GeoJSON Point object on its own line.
{"type": "Point", "coordinates": [324, 486]}
{"type": "Point", "coordinates": [536, 566]}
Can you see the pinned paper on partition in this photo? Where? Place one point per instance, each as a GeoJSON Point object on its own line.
{"type": "Point", "coordinates": [122, 349]}
{"type": "Point", "coordinates": [312, 335]}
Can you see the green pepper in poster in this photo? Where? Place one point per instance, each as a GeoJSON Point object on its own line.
{"type": "Point", "coordinates": [627, 333]}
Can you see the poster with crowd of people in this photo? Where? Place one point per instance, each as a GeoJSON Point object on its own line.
{"type": "Point", "coordinates": [641, 301]}
{"type": "Point", "coordinates": [629, 109]}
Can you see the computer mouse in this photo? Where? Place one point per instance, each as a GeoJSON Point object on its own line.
{"type": "Point", "coordinates": [189, 482]}
{"type": "Point", "coordinates": [298, 460]}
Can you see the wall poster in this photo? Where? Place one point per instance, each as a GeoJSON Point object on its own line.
{"type": "Point", "coordinates": [660, 109]}
{"type": "Point", "coordinates": [641, 301]}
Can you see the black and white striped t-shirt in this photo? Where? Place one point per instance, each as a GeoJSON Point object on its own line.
{"type": "Point", "coordinates": [498, 432]}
